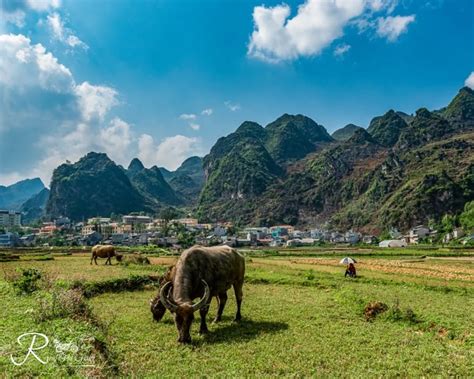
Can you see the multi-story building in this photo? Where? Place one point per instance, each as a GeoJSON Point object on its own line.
{"type": "Point", "coordinates": [10, 218]}
{"type": "Point", "coordinates": [8, 240]}
{"type": "Point", "coordinates": [188, 222]}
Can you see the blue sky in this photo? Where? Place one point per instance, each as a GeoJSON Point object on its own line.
{"type": "Point", "coordinates": [162, 80]}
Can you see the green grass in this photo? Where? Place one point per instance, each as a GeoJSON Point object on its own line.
{"type": "Point", "coordinates": [301, 318]}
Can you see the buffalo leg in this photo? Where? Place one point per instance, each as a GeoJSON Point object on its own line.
{"type": "Point", "coordinates": [238, 299]}
{"type": "Point", "coordinates": [92, 258]}
{"type": "Point", "coordinates": [203, 313]}
{"type": "Point", "coordinates": [222, 299]}
{"type": "Point", "coordinates": [95, 260]}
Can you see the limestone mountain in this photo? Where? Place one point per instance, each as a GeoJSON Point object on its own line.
{"type": "Point", "coordinates": [238, 169]}
{"type": "Point", "coordinates": [386, 129]}
{"type": "Point", "coordinates": [323, 183]}
{"type": "Point", "coordinates": [403, 170]}
{"type": "Point", "coordinates": [188, 179]}
{"type": "Point", "coordinates": [460, 110]}
{"type": "Point", "coordinates": [425, 127]}
{"type": "Point", "coordinates": [151, 185]}
{"type": "Point", "coordinates": [92, 186]}
{"type": "Point", "coordinates": [343, 134]}
{"type": "Point", "coordinates": [290, 138]}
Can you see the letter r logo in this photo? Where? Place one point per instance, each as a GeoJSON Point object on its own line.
{"type": "Point", "coordinates": [32, 348]}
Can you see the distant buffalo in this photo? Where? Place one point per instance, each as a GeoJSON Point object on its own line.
{"type": "Point", "coordinates": [202, 272]}
{"type": "Point", "coordinates": [105, 251]}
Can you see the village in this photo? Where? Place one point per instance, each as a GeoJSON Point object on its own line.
{"type": "Point", "coordinates": [179, 233]}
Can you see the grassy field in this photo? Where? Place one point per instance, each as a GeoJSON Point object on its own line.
{"type": "Point", "coordinates": [301, 318]}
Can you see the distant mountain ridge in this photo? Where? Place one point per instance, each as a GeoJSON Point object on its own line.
{"type": "Point", "coordinates": [188, 179]}
{"type": "Point", "coordinates": [13, 196]}
{"type": "Point", "coordinates": [403, 169]}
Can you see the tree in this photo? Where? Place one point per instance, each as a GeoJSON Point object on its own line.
{"type": "Point", "coordinates": [448, 223]}
{"type": "Point", "coordinates": [467, 217]}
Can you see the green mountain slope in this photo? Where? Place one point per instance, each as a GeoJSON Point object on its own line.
{"type": "Point", "coordinates": [238, 169]}
{"type": "Point", "coordinates": [343, 134]}
{"type": "Point", "coordinates": [34, 208]}
{"type": "Point", "coordinates": [151, 185]}
{"type": "Point", "coordinates": [289, 138]}
{"type": "Point", "coordinates": [188, 179]}
{"type": "Point", "coordinates": [386, 129]}
{"type": "Point", "coordinates": [402, 171]}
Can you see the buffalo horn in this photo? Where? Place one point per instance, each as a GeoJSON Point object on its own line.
{"type": "Point", "coordinates": [164, 297]}
{"type": "Point", "coordinates": [201, 303]}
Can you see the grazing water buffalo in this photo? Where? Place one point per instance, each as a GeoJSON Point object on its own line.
{"type": "Point", "coordinates": [105, 251]}
{"type": "Point", "coordinates": [202, 272]}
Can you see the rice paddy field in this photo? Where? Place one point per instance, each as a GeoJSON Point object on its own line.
{"type": "Point", "coordinates": [410, 313]}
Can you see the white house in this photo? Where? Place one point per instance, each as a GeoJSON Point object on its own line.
{"type": "Point", "coordinates": [392, 243]}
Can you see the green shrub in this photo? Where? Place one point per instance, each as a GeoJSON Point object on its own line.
{"type": "Point", "coordinates": [27, 282]}
{"type": "Point", "coordinates": [397, 314]}
{"type": "Point", "coordinates": [62, 303]}
{"type": "Point", "coordinates": [133, 282]}
{"type": "Point", "coordinates": [310, 275]}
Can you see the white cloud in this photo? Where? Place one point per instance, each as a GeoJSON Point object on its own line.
{"type": "Point", "coordinates": [43, 5]}
{"type": "Point", "coordinates": [25, 65]}
{"type": "Point", "coordinates": [14, 12]}
{"type": "Point", "coordinates": [316, 24]}
{"type": "Point", "coordinates": [95, 101]}
{"type": "Point", "coordinates": [116, 140]}
{"type": "Point", "coordinates": [194, 126]}
{"type": "Point", "coordinates": [470, 81]}
{"type": "Point", "coordinates": [379, 5]}
{"type": "Point", "coordinates": [342, 49]}
{"type": "Point", "coordinates": [232, 106]}
{"type": "Point", "coordinates": [63, 34]}
{"type": "Point", "coordinates": [170, 152]}
{"type": "Point", "coordinates": [207, 112]}
{"type": "Point", "coordinates": [187, 116]}
{"type": "Point", "coordinates": [392, 27]}
{"type": "Point", "coordinates": [64, 120]}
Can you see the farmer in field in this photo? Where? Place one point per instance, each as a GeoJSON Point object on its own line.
{"type": "Point", "coordinates": [350, 270]}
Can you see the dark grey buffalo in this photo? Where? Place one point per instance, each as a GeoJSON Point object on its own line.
{"type": "Point", "coordinates": [202, 272]}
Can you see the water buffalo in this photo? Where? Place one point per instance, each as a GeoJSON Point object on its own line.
{"type": "Point", "coordinates": [202, 272]}
{"type": "Point", "coordinates": [105, 251]}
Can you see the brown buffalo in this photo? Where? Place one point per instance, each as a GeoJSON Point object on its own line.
{"type": "Point", "coordinates": [105, 251]}
{"type": "Point", "coordinates": [202, 272]}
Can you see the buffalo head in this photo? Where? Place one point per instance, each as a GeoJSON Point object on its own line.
{"type": "Point", "coordinates": [183, 312]}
